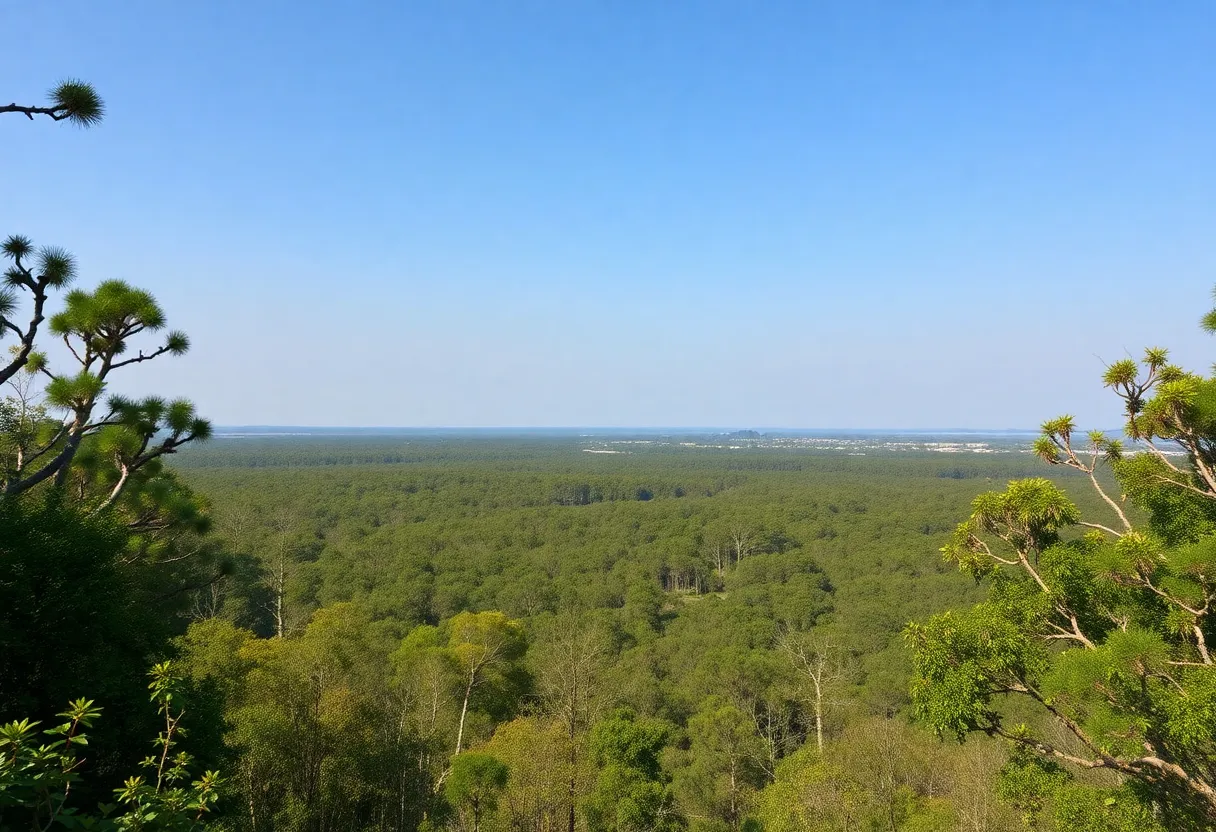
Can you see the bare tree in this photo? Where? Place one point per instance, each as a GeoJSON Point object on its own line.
{"type": "Point", "coordinates": [824, 667]}
{"type": "Point", "coordinates": [743, 541]}
{"type": "Point", "coordinates": [570, 668]}
{"type": "Point", "coordinates": [278, 570]}
{"type": "Point", "coordinates": [719, 556]}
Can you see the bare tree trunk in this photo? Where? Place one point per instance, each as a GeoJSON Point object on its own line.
{"type": "Point", "coordinates": [817, 679]}
{"type": "Point", "coordinates": [573, 750]}
{"type": "Point", "coordinates": [741, 538]}
{"type": "Point", "coordinates": [464, 709]}
{"type": "Point", "coordinates": [734, 793]}
{"type": "Point", "coordinates": [819, 662]}
{"type": "Point", "coordinates": [279, 592]}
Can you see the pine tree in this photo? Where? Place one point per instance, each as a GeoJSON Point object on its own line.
{"type": "Point", "coordinates": [1104, 627]}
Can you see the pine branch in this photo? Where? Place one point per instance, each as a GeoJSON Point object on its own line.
{"type": "Point", "coordinates": [56, 113]}
{"type": "Point", "coordinates": [27, 338]}
{"type": "Point", "coordinates": [71, 100]}
{"type": "Point", "coordinates": [141, 357]}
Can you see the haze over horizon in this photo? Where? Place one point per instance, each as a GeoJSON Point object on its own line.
{"type": "Point", "coordinates": [542, 214]}
{"type": "Point", "coordinates": [614, 429]}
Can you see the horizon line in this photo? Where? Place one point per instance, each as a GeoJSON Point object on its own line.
{"type": "Point", "coordinates": [617, 428]}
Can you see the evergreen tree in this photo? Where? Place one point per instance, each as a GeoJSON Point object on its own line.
{"type": "Point", "coordinates": [1105, 628]}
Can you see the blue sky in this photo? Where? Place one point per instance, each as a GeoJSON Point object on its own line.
{"type": "Point", "coordinates": [850, 214]}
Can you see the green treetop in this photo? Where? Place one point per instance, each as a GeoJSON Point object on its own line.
{"type": "Point", "coordinates": [1106, 630]}
{"type": "Point", "coordinates": [102, 447]}
{"type": "Point", "coordinates": [474, 784]}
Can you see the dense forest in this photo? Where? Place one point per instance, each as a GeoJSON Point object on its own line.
{"type": "Point", "coordinates": [508, 633]}
{"type": "Point", "coordinates": [412, 632]}
{"type": "Point", "coordinates": [743, 612]}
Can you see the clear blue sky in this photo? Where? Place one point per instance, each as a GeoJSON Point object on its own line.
{"type": "Point", "coordinates": [849, 214]}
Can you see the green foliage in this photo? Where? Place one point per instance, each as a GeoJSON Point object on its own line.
{"type": "Point", "coordinates": [106, 317]}
{"type": "Point", "coordinates": [1107, 634]}
{"type": "Point", "coordinates": [1176, 515]}
{"type": "Point", "coordinates": [54, 435]}
{"type": "Point", "coordinates": [962, 659]}
{"type": "Point", "coordinates": [474, 783]}
{"type": "Point", "coordinates": [548, 776]}
{"type": "Point", "coordinates": [631, 792]}
{"type": "Point", "coordinates": [884, 774]}
{"type": "Point", "coordinates": [71, 615]}
{"type": "Point", "coordinates": [71, 100]}
{"type": "Point", "coordinates": [674, 608]}
{"type": "Point", "coordinates": [78, 102]}
{"type": "Point", "coordinates": [37, 778]}
{"type": "Point", "coordinates": [1208, 321]}
{"type": "Point", "coordinates": [1046, 795]}
{"type": "Point", "coordinates": [725, 767]}
{"type": "Point", "coordinates": [79, 614]}
{"type": "Point", "coordinates": [23, 425]}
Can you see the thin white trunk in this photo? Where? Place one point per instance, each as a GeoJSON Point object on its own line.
{"type": "Point", "coordinates": [464, 709]}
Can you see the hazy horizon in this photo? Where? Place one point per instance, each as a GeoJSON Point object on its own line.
{"type": "Point", "coordinates": [563, 429]}
{"type": "Point", "coordinates": [636, 214]}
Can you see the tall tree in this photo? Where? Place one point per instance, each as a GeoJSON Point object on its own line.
{"type": "Point", "coordinates": [570, 666]}
{"type": "Point", "coordinates": [96, 537]}
{"type": "Point", "coordinates": [97, 328]}
{"type": "Point", "coordinates": [487, 646]}
{"type": "Point", "coordinates": [536, 798]}
{"type": "Point", "coordinates": [725, 763]}
{"type": "Point", "coordinates": [1107, 632]}
{"type": "Point", "coordinates": [823, 667]}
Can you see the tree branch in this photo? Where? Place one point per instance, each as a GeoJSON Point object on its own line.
{"type": "Point", "coordinates": [141, 357]}
{"type": "Point", "coordinates": [1161, 455]}
{"type": "Point", "coordinates": [57, 113]}
{"type": "Point", "coordinates": [1110, 502]}
{"type": "Point", "coordinates": [1101, 527]}
{"type": "Point", "coordinates": [1186, 485]}
{"type": "Point", "coordinates": [27, 339]}
{"type": "Point", "coordinates": [67, 342]}
{"type": "Point", "coordinates": [1046, 749]}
